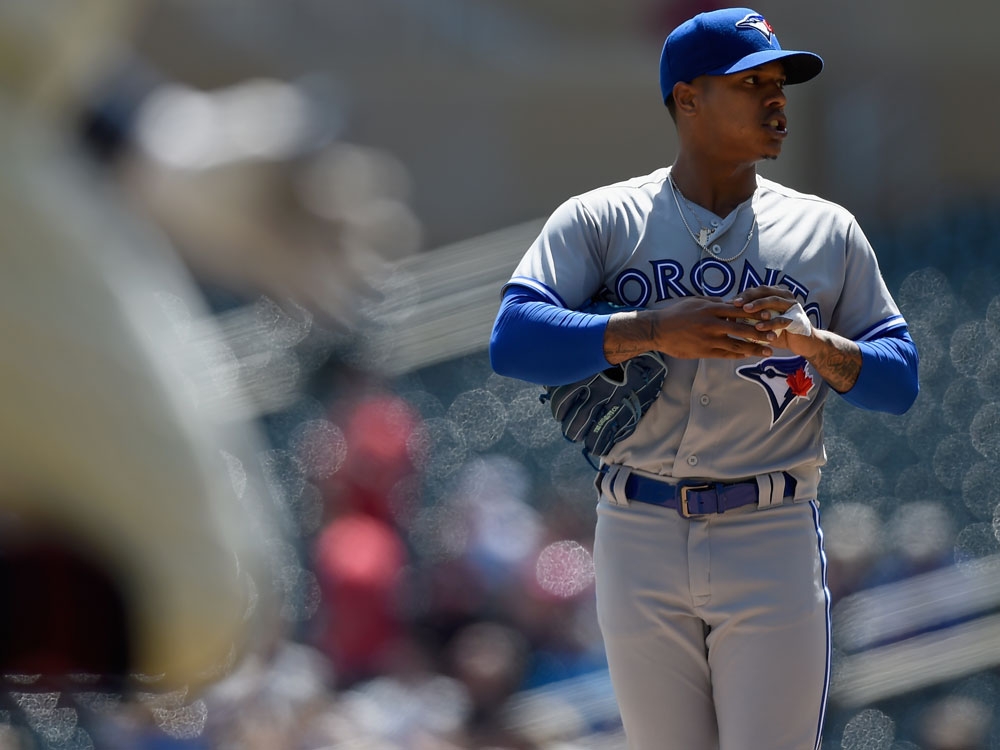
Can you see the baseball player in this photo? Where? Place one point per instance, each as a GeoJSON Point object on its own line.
{"type": "Point", "coordinates": [711, 575]}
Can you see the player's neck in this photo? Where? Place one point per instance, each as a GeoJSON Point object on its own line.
{"type": "Point", "coordinates": [720, 190]}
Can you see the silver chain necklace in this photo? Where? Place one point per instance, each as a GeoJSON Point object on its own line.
{"type": "Point", "coordinates": [702, 238]}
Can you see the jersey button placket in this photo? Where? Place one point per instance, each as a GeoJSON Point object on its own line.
{"type": "Point", "coordinates": [704, 400]}
{"type": "Point", "coordinates": [692, 460]}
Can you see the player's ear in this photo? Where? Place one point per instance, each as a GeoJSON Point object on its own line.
{"type": "Point", "coordinates": [685, 98]}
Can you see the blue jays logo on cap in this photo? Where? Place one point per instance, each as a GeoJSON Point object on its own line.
{"type": "Point", "coordinates": [784, 380]}
{"type": "Point", "coordinates": [758, 22]}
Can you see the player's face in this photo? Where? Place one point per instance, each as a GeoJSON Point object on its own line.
{"type": "Point", "coordinates": [742, 115]}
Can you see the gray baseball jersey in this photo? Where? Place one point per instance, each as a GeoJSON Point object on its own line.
{"type": "Point", "coordinates": [718, 419]}
{"type": "Point", "coordinates": [717, 628]}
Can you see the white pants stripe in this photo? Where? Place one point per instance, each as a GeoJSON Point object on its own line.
{"type": "Point", "coordinates": [829, 624]}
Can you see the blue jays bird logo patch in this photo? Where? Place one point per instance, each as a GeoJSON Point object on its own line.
{"type": "Point", "coordinates": [784, 379]}
{"type": "Point", "coordinates": [758, 22]}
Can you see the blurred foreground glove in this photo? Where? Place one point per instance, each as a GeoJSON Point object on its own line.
{"type": "Point", "coordinates": [137, 543]}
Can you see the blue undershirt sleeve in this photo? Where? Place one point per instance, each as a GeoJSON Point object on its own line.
{"type": "Point", "coordinates": [888, 380]}
{"type": "Point", "coordinates": [542, 343]}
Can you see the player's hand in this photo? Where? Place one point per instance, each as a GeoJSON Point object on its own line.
{"type": "Point", "coordinates": [687, 328]}
{"type": "Point", "coordinates": [835, 358]}
{"type": "Point", "coordinates": [761, 307]}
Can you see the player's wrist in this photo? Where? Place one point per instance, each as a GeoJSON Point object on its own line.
{"type": "Point", "coordinates": [628, 334]}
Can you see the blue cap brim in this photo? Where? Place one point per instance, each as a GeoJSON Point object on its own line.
{"type": "Point", "coordinates": [799, 66]}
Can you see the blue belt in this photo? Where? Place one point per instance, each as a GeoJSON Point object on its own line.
{"type": "Point", "coordinates": [697, 498]}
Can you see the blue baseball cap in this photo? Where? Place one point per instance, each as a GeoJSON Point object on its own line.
{"type": "Point", "coordinates": [726, 41]}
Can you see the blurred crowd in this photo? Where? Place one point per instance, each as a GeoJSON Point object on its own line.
{"type": "Point", "coordinates": [228, 527]}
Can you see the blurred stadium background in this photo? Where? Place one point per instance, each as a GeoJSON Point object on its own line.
{"type": "Point", "coordinates": [318, 201]}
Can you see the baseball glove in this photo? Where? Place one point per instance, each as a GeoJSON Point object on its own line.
{"type": "Point", "coordinates": [605, 408]}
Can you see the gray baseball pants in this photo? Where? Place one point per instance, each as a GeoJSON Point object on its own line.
{"type": "Point", "coordinates": [717, 628]}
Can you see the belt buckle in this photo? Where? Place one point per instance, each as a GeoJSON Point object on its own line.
{"type": "Point", "coordinates": [682, 506]}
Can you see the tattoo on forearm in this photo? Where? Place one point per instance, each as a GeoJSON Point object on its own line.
{"type": "Point", "coordinates": [839, 364]}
